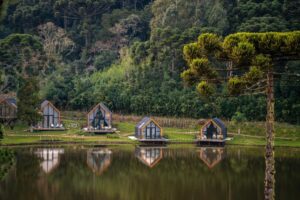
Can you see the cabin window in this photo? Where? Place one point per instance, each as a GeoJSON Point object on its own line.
{"type": "Point", "coordinates": [4, 109]}
{"type": "Point", "coordinates": [152, 131]}
{"type": "Point", "coordinates": [98, 119]}
{"type": "Point", "coordinates": [55, 119]}
{"type": "Point", "coordinates": [50, 117]}
{"type": "Point", "coordinates": [7, 111]}
{"type": "Point", "coordinates": [211, 131]}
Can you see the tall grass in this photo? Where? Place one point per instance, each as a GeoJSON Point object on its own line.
{"type": "Point", "coordinates": [186, 123]}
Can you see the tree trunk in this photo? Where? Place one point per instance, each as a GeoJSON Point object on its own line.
{"type": "Point", "coordinates": [269, 154]}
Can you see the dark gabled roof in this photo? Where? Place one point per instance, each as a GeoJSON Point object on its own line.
{"type": "Point", "coordinates": [142, 122]}
{"type": "Point", "coordinates": [220, 123]}
{"type": "Point", "coordinates": [8, 96]}
{"type": "Point", "coordinates": [12, 101]}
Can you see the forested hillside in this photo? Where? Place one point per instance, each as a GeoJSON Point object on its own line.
{"type": "Point", "coordinates": [129, 53]}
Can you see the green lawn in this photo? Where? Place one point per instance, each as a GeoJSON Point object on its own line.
{"type": "Point", "coordinates": [127, 128]}
{"type": "Point", "coordinates": [242, 140]}
{"type": "Point", "coordinates": [258, 129]}
{"type": "Point", "coordinates": [252, 133]}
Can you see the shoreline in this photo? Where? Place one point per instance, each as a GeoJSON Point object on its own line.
{"type": "Point", "coordinates": [105, 143]}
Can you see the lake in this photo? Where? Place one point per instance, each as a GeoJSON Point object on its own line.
{"type": "Point", "coordinates": [145, 173]}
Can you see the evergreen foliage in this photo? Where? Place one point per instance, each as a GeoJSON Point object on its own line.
{"type": "Point", "coordinates": [129, 53]}
{"type": "Point", "coordinates": [7, 159]}
{"type": "Point", "coordinates": [255, 55]}
{"type": "Point", "coordinates": [29, 102]}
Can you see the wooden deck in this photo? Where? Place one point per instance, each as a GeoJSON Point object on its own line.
{"type": "Point", "coordinates": [153, 141]}
{"type": "Point", "coordinates": [100, 131]}
{"type": "Point", "coordinates": [150, 146]}
{"type": "Point", "coordinates": [48, 129]}
{"type": "Point", "coordinates": [210, 142]}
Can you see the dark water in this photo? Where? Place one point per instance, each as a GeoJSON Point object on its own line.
{"type": "Point", "coordinates": [129, 173]}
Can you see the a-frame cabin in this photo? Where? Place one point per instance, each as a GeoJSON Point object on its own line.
{"type": "Point", "coordinates": [8, 109]}
{"type": "Point", "coordinates": [213, 132]}
{"type": "Point", "coordinates": [51, 119]}
{"type": "Point", "coordinates": [99, 119]}
{"type": "Point", "coordinates": [149, 131]}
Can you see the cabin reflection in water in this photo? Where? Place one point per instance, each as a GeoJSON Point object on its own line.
{"type": "Point", "coordinates": [211, 156]}
{"type": "Point", "coordinates": [149, 156]}
{"type": "Point", "coordinates": [50, 158]}
{"type": "Point", "coordinates": [99, 160]}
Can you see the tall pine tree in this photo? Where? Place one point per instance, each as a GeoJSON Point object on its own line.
{"type": "Point", "coordinates": [252, 60]}
{"type": "Point", "coordinates": [28, 102]}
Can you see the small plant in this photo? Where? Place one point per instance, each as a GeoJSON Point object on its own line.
{"type": "Point", "coordinates": [7, 159]}
{"type": "Point", "coordinates": [166, 136]}
{"type": "Point", "coordinates": [238, 117]}
{"type": "Point", "coordinates": [113, 136]}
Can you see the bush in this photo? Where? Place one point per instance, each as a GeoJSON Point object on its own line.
{"type": "Point", "coordinates": [7, 159]}
{"type": "Point", "coordinates": [166, 136]}
{"type": "Point", "coordinates": [112, 136]}
{"type": "Point", "coordinates": [238, 117]}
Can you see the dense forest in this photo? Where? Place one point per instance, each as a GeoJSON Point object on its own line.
{"type": "Point", "coordinates": [129, 53]}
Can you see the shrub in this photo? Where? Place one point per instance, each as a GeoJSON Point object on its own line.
{"type": "Point", "coordinates": [238, 117]}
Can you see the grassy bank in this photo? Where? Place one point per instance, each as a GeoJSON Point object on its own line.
{"type": "Point", "coordinates": [251, 133]}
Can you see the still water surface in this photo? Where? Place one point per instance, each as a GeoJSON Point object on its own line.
{"type": "Point", "coordinates": [146, 173]}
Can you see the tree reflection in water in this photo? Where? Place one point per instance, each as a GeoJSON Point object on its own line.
{"type": "Point", "coordinates": [7, 159]}
{"type": "Point", "coordinates": [235, 173]}
{"type": "Point", "coordinates": [99, 160]}
{"type": "Point", "coordinates": [149, 156]}
{"type": "Point", "coordinates": [270, 172]}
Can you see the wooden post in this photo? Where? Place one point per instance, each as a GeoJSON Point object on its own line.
{"type": "Point", "coordinates": [269, 154]}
